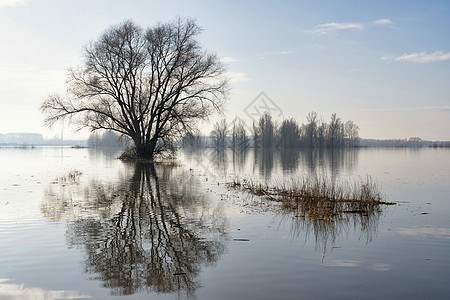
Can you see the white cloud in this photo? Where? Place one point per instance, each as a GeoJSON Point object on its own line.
{"type": "Point", "coordinates": [383, 22]}
{"type": "Point", "coordinates": [330, 27]}
{"type": "Point", "coordinates": [19, 291]}
{"type": "Point", "coordinates": [237, 76]}
{"type": "Point", "coordinates": [382, 267]}
{"type": "Point", "coordinates": [342, 263]}
{"type": "Point", "coordinates": [12, 3]}
{"type": "Point", "coordinates": [443, 233]}
{"type": "Point", "coordinates": [422, 57]}
{"type": "Point", "coordinates": [228, 60]}
{"type": "Point", "coordinates": [285, 52]}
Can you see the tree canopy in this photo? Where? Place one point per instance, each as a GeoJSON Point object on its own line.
{"type": "Point", "coordinates": [152, 85]}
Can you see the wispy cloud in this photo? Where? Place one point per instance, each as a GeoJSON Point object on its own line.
{"type": "Point", "coordinates": [342, 263]}
{"type": "Point", "coordinates": [422, 57]}
{"type": "Point", "coordinates": [237, 76]}
{"type": "Point", "coordinates": [228, 60]}
{"type": "Point", "coordinates": [382, 267]}
{"type": "Point", "coordinates": [327, 28]}
{"type": "Point", "coordinates": [383, 22]}
{"type": "Point", "coordinates": [270, 54]}
{"type": "Point", "coordinates": [443, 233]}
{"type": "Point", "coordinates": [331, 27]}
{"type": "Point", "coordinates": [444, 108]}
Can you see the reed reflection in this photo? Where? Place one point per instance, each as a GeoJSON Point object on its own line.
{"type": "Point", "coordinates": [329, 210]}
{"type": "Point", "coordinates": [151, 232]}
{"type": "Point", "coordinates": [329, 233]}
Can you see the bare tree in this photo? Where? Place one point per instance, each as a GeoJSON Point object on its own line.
{"type": "Point", "coordinates": [192, 141]}
{"type": "Point", "coordinates": [266, 131]}
{"type": "Point", "coordinates": [239, 138]}
{"type": "Point", "coordinates": [256, 135]}
{"type": "Point", "coordinates": [289, 134]}
{"type": "Point", "coordinates": [351, 133]}
{"type": "Point", "coordinates": [311, 129]}
{"type": "Point", "coordinates": [321, 133]}
{"type": "Point", "coordinates": [150, 85]}
{"type": "Point", "coordinates": [219, 134]}
{"type": "Point", "coordinates": [335, 131]}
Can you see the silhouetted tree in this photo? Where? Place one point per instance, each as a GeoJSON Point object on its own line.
{"type": "Point", "coordinates": [322, 134]}
{"type": "Point", "coordinates": [192, 141]}
{"type": "Point", "coordinates": [351, 133]}
{"type": "Point", "coordinates": [311, 129]}
{"type": "Point", "coordinates": [219, 134]}
{"type": "Point", "coordinates": [256, 135]}
{"type": "Point", "coordinates": [335, 131]}
{"type": "Point", "coordinates": [239, 138]}
{"type": "Point", "coordinates": [289, 134]}
{"type": "Point", "coordinates": [266, 131]}
{"type": "Point", "coordinates": [150, 85]}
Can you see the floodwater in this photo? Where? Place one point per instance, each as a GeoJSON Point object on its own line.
{"type": "Point", "coordinates": [80, 224]}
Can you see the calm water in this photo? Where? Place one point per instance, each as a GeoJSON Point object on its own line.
{"type": "Point", "coordinates": [145, 231]}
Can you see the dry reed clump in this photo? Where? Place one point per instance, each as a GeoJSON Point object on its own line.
{"type": "Point", "coordinates": [320, 197]}
{"type": "Point", "coordinates": [71, 178]}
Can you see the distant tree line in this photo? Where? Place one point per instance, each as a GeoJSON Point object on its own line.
{"type": "Point", "coordinates": [106, 139]}
{"type": "Point", "coordinates": [289, 134]}
{"type": "Point", "coordinates": [411, 142]}
{"type": "Point", "coordinates": [21, 138]}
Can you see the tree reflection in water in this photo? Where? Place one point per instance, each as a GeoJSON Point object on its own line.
{"type": "Point", "coordinates": [149, 233]}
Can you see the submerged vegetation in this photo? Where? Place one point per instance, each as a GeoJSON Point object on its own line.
{"type": "Point", "coordinates": [320, 197]}
{"type": "Point", "coordinates": [72, 177]}
{"type": "Point", "coordinates": [323, 207]}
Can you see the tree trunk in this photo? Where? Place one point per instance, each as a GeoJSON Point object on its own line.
{"type": "Point", "coordinates": [145, 150]}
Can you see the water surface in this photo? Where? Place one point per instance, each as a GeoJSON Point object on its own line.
{"type": "Point", "coordinates": [79, 224]}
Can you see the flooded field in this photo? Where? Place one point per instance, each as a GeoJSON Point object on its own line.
{"type": "Point", "coordinates": [80, 224]}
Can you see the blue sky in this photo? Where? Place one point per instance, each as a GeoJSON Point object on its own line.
{"type": "Point", "coordinates": [383, 64]}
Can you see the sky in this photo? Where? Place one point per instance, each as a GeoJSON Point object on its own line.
{"type": "Point", "coordinates": [383, 64]}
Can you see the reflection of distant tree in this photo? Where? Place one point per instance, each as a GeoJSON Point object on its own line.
{"type": "Point", "coordinates": [289, 158]}
{"type": "Point", "coordinates": [240, 158]}
{"type": "Point", "coordinates": [150, 232]}
{"type": "Point", "coordinates": [218, 158]}
{"type": "Point", "coordinates": [332, 160]}
{"type": "Point", "coordinates": [264, 160]}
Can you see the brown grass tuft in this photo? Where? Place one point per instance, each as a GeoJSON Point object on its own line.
{"type": "Point", "coordinates": [320, 197]}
